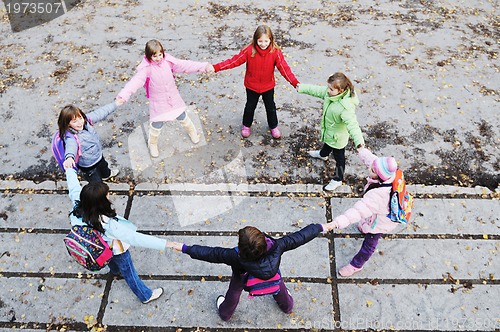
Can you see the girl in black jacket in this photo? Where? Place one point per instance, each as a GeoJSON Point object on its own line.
{"type": "Point", "coordinates": [259, 255]}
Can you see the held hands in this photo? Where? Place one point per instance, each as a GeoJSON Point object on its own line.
{"type": "Point", "coordinates": [69, 163]}
{"type": "Point", "coordinates": [209, 69]}
{"type": "Point", "coordinates": [329, 226]}
{"type": "Point", "coordinates": [119, 101]}
{"type": "Point", "coordinates": [175, 245]}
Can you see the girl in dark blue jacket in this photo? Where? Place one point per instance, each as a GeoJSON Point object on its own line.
{"type": "Point", "coordinates": [258, 254]}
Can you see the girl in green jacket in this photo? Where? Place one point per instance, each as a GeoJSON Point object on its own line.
{"type": "Point", "coordinates": [338, 121]}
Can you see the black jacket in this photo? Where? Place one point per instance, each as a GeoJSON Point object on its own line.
{"type": "Point", "coordinates": [266, 266]}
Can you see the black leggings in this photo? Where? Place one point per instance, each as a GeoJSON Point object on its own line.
{"type": "Point", "coordinates": [339, 156]}
{"type": "Point", "coordinates": [251, 105]}
{"type": "Point", "coordinates": [97, 172]}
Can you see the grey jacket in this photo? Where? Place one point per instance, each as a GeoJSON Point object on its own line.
{"type": "Point", "coordinates": [90, 145]}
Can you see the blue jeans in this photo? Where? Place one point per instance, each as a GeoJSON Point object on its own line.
{"type": "Point", "coordinates": [122, 265]}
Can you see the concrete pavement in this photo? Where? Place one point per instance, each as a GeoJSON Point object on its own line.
{"type": "Point", "coordinates": [438, 273]}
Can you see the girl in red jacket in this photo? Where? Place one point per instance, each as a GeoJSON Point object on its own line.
{"type": "Point", "coordinates": [261, 56]}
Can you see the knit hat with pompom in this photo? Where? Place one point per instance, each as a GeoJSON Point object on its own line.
{"type": "Point", "coordinates": [385, 167]}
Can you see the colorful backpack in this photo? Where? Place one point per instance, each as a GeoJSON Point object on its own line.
{"type": "Point", "coordinates": [58, 148]}
{"type": "Point", "coordinates": [258, 287]}
{"type": "Point", "coordinates": [401, 201]}
{"type": "Point", "coordinates": [86, 245]}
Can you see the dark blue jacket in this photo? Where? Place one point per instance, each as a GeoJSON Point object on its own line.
{"type": "Point", "coordinates": [266, 266]}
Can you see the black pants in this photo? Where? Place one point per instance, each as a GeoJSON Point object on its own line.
{"type": "Point", "coordinates": [97, 172]}
{"type": "Point", "coordinates": [251, 105]}
{"type": "Point", "coordinates": [339, 156]}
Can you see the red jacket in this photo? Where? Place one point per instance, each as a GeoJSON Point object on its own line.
{"type": "Point", "coordinates": [259, 76]}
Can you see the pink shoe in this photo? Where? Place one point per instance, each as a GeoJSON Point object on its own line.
{"type": "Point", "coordinates": [349, 270]}
{"type": "Point", "coordinates": [245, 131]}
{"type": "Point", "coordinates": [360, 229]}
{"type": "Point", "coordinates": [275, 132]}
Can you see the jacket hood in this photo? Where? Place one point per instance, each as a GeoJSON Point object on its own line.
{"type": "Point", "coordinates": [144, 63]}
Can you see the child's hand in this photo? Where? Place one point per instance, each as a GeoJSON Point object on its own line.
{"type": "Point", "coordinates": [175, 245]}
{"type": "Point", "coordinates": [330, 226]}
{"type": "Point", "coordinates": [69, 163]}
{"type": "Point", "coordinates": [297, 87]}
{"type": "Point", "coordinates": [119, 101]}
{"type": "Point", "coordinates": [209, 69]}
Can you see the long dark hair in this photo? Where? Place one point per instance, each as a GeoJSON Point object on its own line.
{"type": "Point", "coordinates": [93, 204]}
{"type": "Point", "coordinates": [251, 243]}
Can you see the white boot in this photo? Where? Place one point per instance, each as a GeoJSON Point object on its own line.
{"type": "Point", "coordinates": [191, 129]}
{"type": "Point", "coordinates": [153, 135]}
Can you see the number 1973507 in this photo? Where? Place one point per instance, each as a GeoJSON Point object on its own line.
{"type": "Point", "coordinates": [33, 8]}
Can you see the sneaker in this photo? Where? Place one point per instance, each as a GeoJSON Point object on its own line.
{"type": "Point", "coordinates": [349, 270]}
{"type": "Point", "coordinates": [315, 154]}
{"type": "Point", "coordinates": [333, 185]}
{"type": "Point", "coordinates": [114, 172]}
{"type": "Point", "coordinates": [219, 301]}
{"type": "Point", "coordinates": [157, 292]}
{"type": "Point", "coordinates": [275, 132]}
{"type": "Point", "coordinates": [245, 131]}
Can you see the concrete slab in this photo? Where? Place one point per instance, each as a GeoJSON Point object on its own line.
{"type": "Point", "coordinates": [193, 304]}
{"type": "Point", "coordinates": [44, 211]}
{"type": "Point", "coordinates": [226, 213]}
{"type": "Point", "coordinates": [424, 259]}
{"type": "Point", "coordinates": [46, 300]}
{"type": "Point", "coordinates": [430, 307]}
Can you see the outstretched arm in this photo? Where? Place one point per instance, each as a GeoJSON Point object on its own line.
{"type": "Point", "coordinates": [136, 82]}
{"type": "Point", "coordinates": [285, 70]}
{"type": "Point", "coordinates": [74, 187]}
{"type": "Point", "coordinates": [235, 61]}
{"type": "Point", "coordinates": [306, 234]}
{"type": "Point", "coordinates": [102, 112]}
{"type": "Point", "coordinates": [227, 256]}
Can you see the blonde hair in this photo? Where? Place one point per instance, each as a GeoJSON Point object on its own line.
{"type": "Point", "coordinates": [263, 30]}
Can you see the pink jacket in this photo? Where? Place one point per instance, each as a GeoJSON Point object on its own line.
{"type": "Point", "coordinates": [371, 210]}
{"type": "Point", "coordinates": [165, 101]}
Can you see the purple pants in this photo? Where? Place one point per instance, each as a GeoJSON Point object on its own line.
{"type": "Point", "coordinates": [367, 249]}
{"type": "Point", "coordinates": [227, 308]}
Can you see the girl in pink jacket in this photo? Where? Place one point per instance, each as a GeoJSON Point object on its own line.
{"type": "Point", "coordinates": [156, 74]}
{"type": "Point", "coordinates": [371, 211]}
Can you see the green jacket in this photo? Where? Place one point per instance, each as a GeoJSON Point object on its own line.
{"type": "Point", "coordinates": [338, 121]}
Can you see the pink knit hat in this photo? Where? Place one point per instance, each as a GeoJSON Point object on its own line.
{"type": "Point", "coordinates": [385, 167]}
